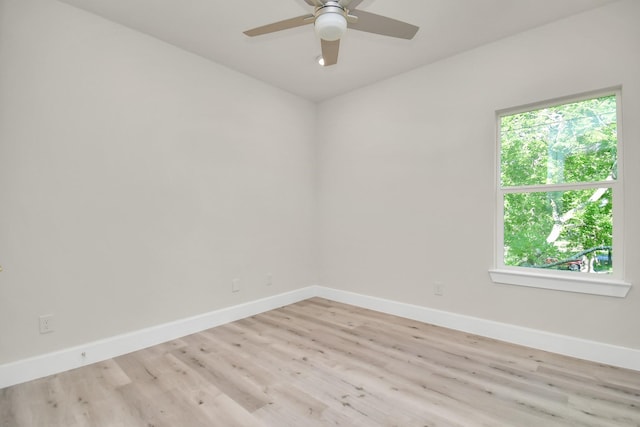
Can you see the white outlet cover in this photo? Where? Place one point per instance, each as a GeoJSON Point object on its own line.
{"type": "Point", "coordinates": [46, 324]}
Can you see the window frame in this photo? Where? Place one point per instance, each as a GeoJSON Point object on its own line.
{"type": "Point", "coordinates": [612, 284]}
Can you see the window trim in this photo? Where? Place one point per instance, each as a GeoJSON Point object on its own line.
{"type": "Point", "coordinates": [612, 285]}
{"type": "Point", "coordinates": [584, 285]}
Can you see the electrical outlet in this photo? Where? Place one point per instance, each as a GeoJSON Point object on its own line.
{"type": "Point", "coordinates": [235, 285]}
{"type": "Point", "coordinates": [438, 288]}
{"type": "Point", "coordinates": [269, 280]}
{"type": "Point", "coordinates": [46, 323]}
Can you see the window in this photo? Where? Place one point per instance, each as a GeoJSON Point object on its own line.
{"type": "Point", "coordinates": [560, 196]}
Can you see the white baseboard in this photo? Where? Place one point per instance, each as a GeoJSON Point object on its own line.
{"type": "Point", "coordinates": [562, 344]}
{"type": "Point", "coordinates": [63, 360]}
{"type": "Point", "coordinates": [97, 351]}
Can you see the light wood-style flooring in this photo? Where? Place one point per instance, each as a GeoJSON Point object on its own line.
{"type": "Point", "coordinates": [322, 363]}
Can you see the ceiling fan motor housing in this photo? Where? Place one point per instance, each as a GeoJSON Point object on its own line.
{"type": "Point", "coordinates": [331, 21]}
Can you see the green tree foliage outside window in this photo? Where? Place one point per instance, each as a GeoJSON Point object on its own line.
{"type": "Point", "coordinates": [556, 168]}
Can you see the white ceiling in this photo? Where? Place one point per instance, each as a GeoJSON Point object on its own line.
{"type": "Point", "coordinates": [213, 29]}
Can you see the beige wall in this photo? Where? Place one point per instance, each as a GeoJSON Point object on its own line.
{"type": "Point", "coordinates": [407, 184]}
{"type": "Point", "coordinates": [137, 180]}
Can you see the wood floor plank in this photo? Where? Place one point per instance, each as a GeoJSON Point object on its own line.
{"type": "Point", "coordinates": [323, 363]}
{"type": "Point", "coordinates": [222, 373]}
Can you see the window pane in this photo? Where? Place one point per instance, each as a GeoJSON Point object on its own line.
{"type": "Point", "coordinates": [568, 143]}
{"type": "Point", "coordinates": [566, 230]}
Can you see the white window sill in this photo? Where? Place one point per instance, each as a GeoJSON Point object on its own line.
{"type": "Point", "coordinates": [568, 283]}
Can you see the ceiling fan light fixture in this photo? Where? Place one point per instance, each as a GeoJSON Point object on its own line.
{"type": "Point", "coordinates": [330, 26]}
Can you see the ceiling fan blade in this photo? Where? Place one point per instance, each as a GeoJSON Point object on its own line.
{"type": "Point", "coordinates": [378, 24]}
{"type": "Point", "coordinates": [280, 25]}
{"type": "Point", "coordinates": [330, 52]}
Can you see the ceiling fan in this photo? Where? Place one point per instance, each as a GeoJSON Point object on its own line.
{"type": "Point", "coordinates": [331, 19]}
